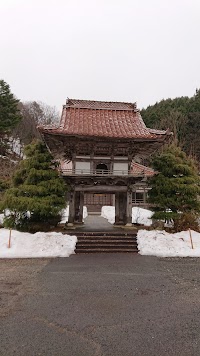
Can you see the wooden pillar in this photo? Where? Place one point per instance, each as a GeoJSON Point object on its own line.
{"type": "Point", "coordinates": [129, 208]}
{"type": "Point", "coordinates": [112, 163]}
{"type": "Point", "coordinates": [77, 206]}
{"type": "Point", "coordinates": [73, 162]}
{"type": "Point", "coordinates": [71, 208]}
{"type": "Point", "coordinates": [144, 196]}
{"type": "Point", "coordinates": [123, 208]}
{"type": "Point", "coordinates": [120, 208]}
{"type": "Point", "coordinates": [116, 208]}
{"type": "Point", "coordinates": [81, 207]}
{"type": "Point", "coordinates": [92, 166]}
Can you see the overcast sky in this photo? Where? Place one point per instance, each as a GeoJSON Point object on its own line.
{"type": "Point", "coordinates": [114, 50]}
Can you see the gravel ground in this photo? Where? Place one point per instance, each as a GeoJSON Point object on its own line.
{"type": "Point", "coordinates": [100, 305]}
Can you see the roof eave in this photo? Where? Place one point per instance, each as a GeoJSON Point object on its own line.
{"type": "Point", "coordinates": [161, 137]}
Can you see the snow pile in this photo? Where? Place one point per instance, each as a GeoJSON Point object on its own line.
{"type": "Point", "coordinates": [108, 212]}
{"type": "Point", "coordinates": [41, 244]}
{"type": "Point", "coordinates": [162, 244]}
{"type": "Point", "coordinates": [65, 214]}
{"type": "Point", "coordinates": [139, 215]}
{"type": "Point", "coordinates": [1, 218]}
{"type": "Point", "coordinates": [16, 146]}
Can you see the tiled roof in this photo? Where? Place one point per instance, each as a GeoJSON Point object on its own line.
{"type": "Point", "coordinates": [91, 104]}
{"type": "Point", "coordinates": [102, 119]}
{"type": "Point", "coordinates": [139, 169]}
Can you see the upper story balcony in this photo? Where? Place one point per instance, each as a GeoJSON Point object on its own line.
{"type": "Point", "coordinates": [102, 173]}
{"type": "Point", "coordinates": [105, 170]}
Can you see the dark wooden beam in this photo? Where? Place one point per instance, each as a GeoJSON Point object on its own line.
{"type": "Point", "coordinates": [100, 188]}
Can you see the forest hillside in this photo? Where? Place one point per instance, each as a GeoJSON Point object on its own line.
{"type": "Point", "coordinates": [182, 116]}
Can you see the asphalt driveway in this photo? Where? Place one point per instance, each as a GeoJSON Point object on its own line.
{"type": "Point", "coordinates": [104, 304]}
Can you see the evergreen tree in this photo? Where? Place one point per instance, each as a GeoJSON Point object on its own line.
{"type": "Point", "coordinates": [4, 184]}
{"type": "Point", "coordinates": [182, 116]}
{"type": "Point", "coordinates": [175, 188]}
{"type": "Point", "coordinates": [9, 113]}
{"type": "Point", "coordinates": [37, 194]}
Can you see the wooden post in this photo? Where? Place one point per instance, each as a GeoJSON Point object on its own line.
{"type": "Point", "coordinates": [9, 240]}
{"type": "Point", "coordinates": [112, 163]}
{"type": "Point", "coordinates": [191, 239]}
{"type": "Point", "coordinates": [123, 208]}
{"type": "Point", "coordinates": [73, 162]}
{"type": "Point", "coordinates": [116, 208]}
{"type": "Point", "coordinates": [81, 207]}
{"type": "Point", "coordinates": [71, 208]}
{"type": "Point", "coordinates": [77, 206]}
{"type": "Point", "coordinates": [92, 168]}
{"type": "Point", "coordinates": [120, 208]}
{"type": "Point", "coordinates": [144, 196]}
{"type": "Point", "coordinates": [129, 208]}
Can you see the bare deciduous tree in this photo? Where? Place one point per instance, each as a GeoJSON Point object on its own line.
{"type": "Point", "coordinates": [176, 122]}
{"type": "Point", "coordinates": [34, 114]}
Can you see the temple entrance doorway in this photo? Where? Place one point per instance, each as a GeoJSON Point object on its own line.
{"type": "Point", "coordinates": [95, 202]}
{"type": "Point", "coordinates": [102, 168]}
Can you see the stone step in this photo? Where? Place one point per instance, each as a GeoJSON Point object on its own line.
{"type": "Point", "coordinates": [106, 241]}
{"type": "Point", "coordinates": [104, 250]}
{"type": "Point", "coordinates": [99, 242]}
{"type": "Point", "coordinates": [81, 233]}
{"type": "Point", "coordinates": [106, 238]}
{"type": "Point", "coordinates": [110, 246]}
{"type": "Point", "coordinates": [115, 238]}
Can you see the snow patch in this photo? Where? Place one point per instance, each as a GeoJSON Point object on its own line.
{"type": "Point", "coordinates": [65, 214]}
{"type": "Point", "coordinates": [1, 218]}
{"type": "Point", "coordinates": [162, 244]}
{"type": "Point", "coordinates": [40, 244]}
{"type": "Point", "coordinates": [16, 146]}
{"type": "Point", "coordinates": [139, 215]}
{"type": "Point", "coordinates": [108, 212]}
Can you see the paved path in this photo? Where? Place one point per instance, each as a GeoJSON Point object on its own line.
{"type": "Point", "coordinates": [107, 305]}
{"type": "Point", "coordinates": [97, 223]}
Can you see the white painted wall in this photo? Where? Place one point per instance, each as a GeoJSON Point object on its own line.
{"type": "Point", "coordinates": [124, 158]}
{"type": "Point", "coordinates": [82, 167]}
{"type": "Point", "coordinates": [120, 168]}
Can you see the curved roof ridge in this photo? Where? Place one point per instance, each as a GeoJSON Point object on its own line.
{"type": "Point", "coordinates": [98, 104]}
{"type": "Point", "coordinates": [89, 118]}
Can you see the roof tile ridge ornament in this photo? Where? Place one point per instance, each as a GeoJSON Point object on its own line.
{"type": "Point", "coordinates": [135, 108]}
{"type": "Point", "coordinates": [101, 105]}
{"type": "Point", "coordinates": [160, 132]}
{"type": "Point", "coordinates": [69, 102]}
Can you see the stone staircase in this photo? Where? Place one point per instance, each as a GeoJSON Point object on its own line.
{"type": "Point", "coordinates": [94, 242]}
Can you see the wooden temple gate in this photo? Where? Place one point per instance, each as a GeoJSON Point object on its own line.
{"type": "Point", "coordinates": [100, 141]}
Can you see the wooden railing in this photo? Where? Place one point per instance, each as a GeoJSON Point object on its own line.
{"type": "Point", "coordinates": [99, 172]}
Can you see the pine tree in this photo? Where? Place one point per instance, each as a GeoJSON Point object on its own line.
{"type": "Point", "coordinates": [9, 113]}
{"type": "Point", "coordinates": [37, 194]}
{"type": "Point", "coordinates": [176, 187]}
